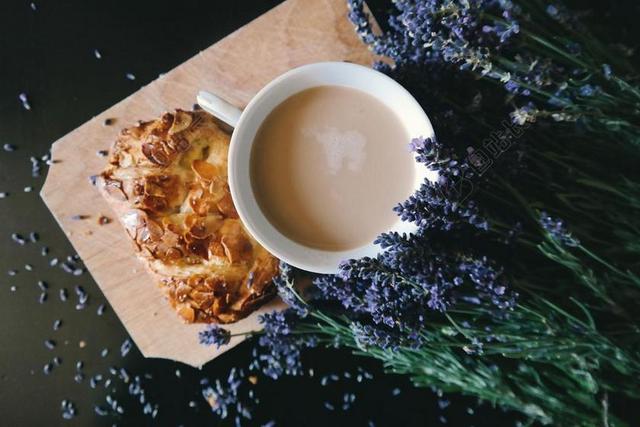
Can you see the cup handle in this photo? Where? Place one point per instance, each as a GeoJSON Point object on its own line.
{"type": "Point", "coordinates": [218, 107]}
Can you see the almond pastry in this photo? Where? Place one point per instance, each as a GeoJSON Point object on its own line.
{"type": "Point", "coordinates": [167, 182]}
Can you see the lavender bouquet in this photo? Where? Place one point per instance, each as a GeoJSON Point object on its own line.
{"type": "Point", "coordinates": [521, 286]}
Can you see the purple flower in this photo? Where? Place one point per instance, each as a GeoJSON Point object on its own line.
{"type": "Point", "coordinates": [214, 335]}
{"type": "Point", "coordinates": [557, 230]}
{"type": "Point", "coordinates": [282, 347]}
{"type": "Point", "coordinates": [284, 283]}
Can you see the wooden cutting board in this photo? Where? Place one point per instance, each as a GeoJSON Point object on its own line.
{"type": "Point", "coordinates": [296, 32]}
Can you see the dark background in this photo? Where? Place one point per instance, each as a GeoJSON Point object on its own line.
{"type": "Point", "coordinates": [48, 54]}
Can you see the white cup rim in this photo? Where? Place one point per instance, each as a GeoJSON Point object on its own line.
{"type": "Point", "coordinates": [282, 87]}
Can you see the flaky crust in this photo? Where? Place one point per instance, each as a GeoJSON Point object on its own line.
{"type": "Point", "coordinates": [167, 182]}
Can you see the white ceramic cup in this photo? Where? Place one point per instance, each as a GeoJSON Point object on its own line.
{"type": "Point", "coordinates": [246, 124]}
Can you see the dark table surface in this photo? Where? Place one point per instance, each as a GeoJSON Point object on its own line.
{"type": "Point", "coordinates": [48, 53]}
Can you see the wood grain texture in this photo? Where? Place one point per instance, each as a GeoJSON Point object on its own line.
{"type": "Point", "coordinates": [295, 33]}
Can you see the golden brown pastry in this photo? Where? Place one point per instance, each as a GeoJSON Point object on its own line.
{"type": "Point", "coordinates": [167, 181]}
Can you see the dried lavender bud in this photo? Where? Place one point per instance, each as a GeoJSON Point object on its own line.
{"type": "Point", "coordinates": [34, 237]}
{"type": "Point", "coordinates": [4, 195]}
{"type": "Point", "coordinates": [63, 294]}
{"type": "Point", "coordinates": [44, 251]}
{"type": "Point", "coordinates": [130, 76]}
{"type": "Point", "coordinates": [102, 153]}
{"type": "Point", "coordinates": [12, 272]}
{"type": "Point", "coordinates": [124, 375]}
{"type": "Point", "coordinates": [100, 411]}
{"type": "Point", "coordinates": [125, 347]}
{"type": "Point", "coordinates": [104, 352]}
{"type": "Point", "coordinates": [68, 268]}
{"type": "Point", "coordinates": [101, 309]}
{"type": "Point", "coordinates": [78, 378]}
{"type": "Point", "coordinates": [78, 272]}
{"type": "Point", "coordinates": [57, 324]}
{"type": "Point", "coordinates": [214, 335]}
{"type": "Point", "coordinates": [53, 262]}
{"type": "Point", "coordinates": [43, 298]}
{"type": "Point", "coordinates": [16, 237]}
{"type": "Point", "coordinates": [28, 189]}
{"type": "Point", "coordinates": [9, 147]}
{"type": "Point", "coordinates": [50, 344]}
{"type": "Point", "coordinates": [68, 409]}
{"type": "Point", "coordinates": [93, 179]}
{"type": "Point", "coordinates": [97, 54]}
{"type": "Point", "coordinates": [43, 285]}
{"type": "Point", "coordinates": [46, 369]}
{"type": "Point", "coordinates": [33, 6]}
{"type": "Point", "coordinates": [28, 267]}
{"type": "Point", "coordinates": [57, 361]}
{"type": "Point", "coordinates": [24, 100]}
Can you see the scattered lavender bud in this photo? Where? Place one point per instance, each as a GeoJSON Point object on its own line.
{"type": "Point", "coordinates": [50, 344]}
{"type": "Point", "coordinates": [329, 406]}
{"type": "Point", "coordinates": [79, 365]}
{"type": "Point", "coordinates": [124, 375]}
{"type": "Point", "coordinates": [57, 361]}
{"type": "Point", "coordinates": [4, 195]}
{"type": "Point", "coordinates": [33, 6]}
{"type": "Point", "coordinates": [68, 409]}
{"type": "Point", "coordinates": [104, 352]}
{"type": "Point", "coordinates": [9, 147]}
{"type": "Point", "coordinates": [63, 294]}
{"type": "Point", "coordinates": [57, 324]}
{"type": "Point", "coordinates": [178, 373]}
{"type": "Point", "coordinates": [130, 76]}
{"type": "Point", "coordinates": [43, 285]}
{"type": "Point", "coordinates": [78, 378]}
{"type": "Point", "coordinates": [125, 347]}
{"type": "Point", "coordinates": [101, 309]}
{"type": "Point", "coordinates": [113, 371]}
{"type": "Point", "coordinates": [93, 179]}
{"type": "Point", "coordinates": [100, 411]}
{"type": "Point", "coordinates": [13, 288]}
{"type": "Point", "coordinates": [28, 189]}
{"type": "Point", "coordinates": [395, 392]}
{"type": "Point", "coordinates": [46, 369]}
{"type": "Point", "coordinates": [67, 267]}
{"type": "Point", "coordinates": [102, 153]}
{"type": "Point", "coordinates": [16, 237]}
{"type": "Point", "coordinates": [53, 262]}
{"type": "Point", "coordinates": [12, 272]}
{"type": "Point", "coordinates": [28, 267]}
{"type": "Point", "coordinates": [34, 237]}
{"type": "Point", "coordinates": [97, 54]}
{"type": "Point", "coordinates": [78, 272]}
{"type": "Point", "coordinates": [43, 298]}
{"type": "Point", "coordinates": [24, 100]}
